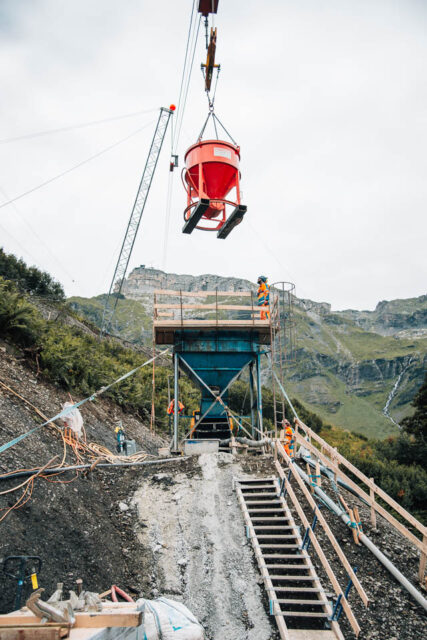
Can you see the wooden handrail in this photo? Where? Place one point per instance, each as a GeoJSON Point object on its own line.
{"type": "Point", "coordinates": [328, 569]}
{"type": "Point", "coordinates": [323, 523]}
{"type": "Point", "coordinates": [334, 454]}
{"type": "Point", "coordinates": [202, 294]}
{"type": "Point", "coordinates": [213, 306]}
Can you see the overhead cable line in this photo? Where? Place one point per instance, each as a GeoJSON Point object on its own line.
{"type": "Point", "coordinates": [72, 127]}
{"type": "Point", "coordinates": [76, 166]}
{"type": "Point", "coordinates": [39, 239]}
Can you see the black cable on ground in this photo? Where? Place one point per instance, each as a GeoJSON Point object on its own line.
{"type": "Point", "coordinates": [24, 474]}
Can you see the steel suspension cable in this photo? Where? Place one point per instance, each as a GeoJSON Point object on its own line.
{"type": "Point", "coordinates": [179, 126]}
{"type": "Point", "coordinates": [189, 37]}
{"type": "Point", "coordinates": [76, 166]}
{"type": "Point", "coordinates": [73, 127]}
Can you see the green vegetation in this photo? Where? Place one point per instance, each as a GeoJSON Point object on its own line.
{"type": "Point", "coordinates": [398, 464]}
{"type": "Point", "coordinates": [131, 321]}
{"type": "Point", "coordinates": [81, 363]}
{"type": "Point", "coordinates": [29, 279]}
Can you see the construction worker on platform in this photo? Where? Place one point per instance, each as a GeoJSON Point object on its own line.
{"type": "Point", "coordinates": [287, 437]}
{"type": "Point", "coordinates": [263, 296]}
{"type": "Point", "coordinates": [171, 408]}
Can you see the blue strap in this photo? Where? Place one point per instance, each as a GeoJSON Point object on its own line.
{"type": "Point", "coordinates": [18, 439]}
{"type": "Point", "coordinates": [68, 410]}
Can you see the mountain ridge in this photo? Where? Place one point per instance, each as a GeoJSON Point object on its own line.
{"type": "Point", "coordinates": [357, 370]}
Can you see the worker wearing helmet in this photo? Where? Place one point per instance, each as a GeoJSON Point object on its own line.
{"type": "Point", "coordinates": [287, 437]}
{"type": "Point", "coordinates": [120, 436]}
{"type": "Point", "coordinates": [171, 408]}
{"type": "Point", "coordinates": [263, 296]}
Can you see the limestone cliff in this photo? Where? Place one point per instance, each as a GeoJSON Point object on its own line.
{"type": "Point", "coordinates": [357, 369]}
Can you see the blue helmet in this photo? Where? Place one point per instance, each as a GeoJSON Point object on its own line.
{"type": "Point", "coordinates": [262, 279]}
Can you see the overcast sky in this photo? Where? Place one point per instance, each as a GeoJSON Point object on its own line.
{"type": "Point", "coordinates": [327, 99]}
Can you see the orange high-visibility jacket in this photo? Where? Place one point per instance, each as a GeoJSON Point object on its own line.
{"type": "Point", "coordinates": [263, 294]}
{"type": "Point", "coordinates": [171, 408]}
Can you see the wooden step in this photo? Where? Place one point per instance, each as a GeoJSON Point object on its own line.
{"type": "Point", "coordinates": [275, 527]}
{"type": "Point", "coordinates": [274, 555]}
{"type": "Point", "coordinates": [268, 511]}
{"type": "Point", "coordinates": [311, 634]}
{"type": "Point", "coordinates": [266, 519]}
{"type": "Point", "coordinates": [253, 480]}
{"type": "Point", "coordinates": [252, 502]}
{"type": "Point", "coordinates": [293, 578]}
{"type": "Point", "coordinates": [257, 486]}
{"type": "Point", "coordinates": [279, 546]}
{"type": "Point", "coordinates": [268, 536]}
{"type": "Point", "coordinates": [302, 614]}
{"type": "Point", "coordinates": [300, 589]}
{"type": "Point", "coordinates": [291, 556]}
{"type": "Point", "coordinates": [316, 603]}
{"type": "Point", "coordinates": [290, 566]}
{"type": "Point", "coordinates": [263, 495]}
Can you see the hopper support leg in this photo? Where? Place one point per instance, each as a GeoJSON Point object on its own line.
{"type": "Point", "coordinates": [195, 217]}
{"type": "Point", "coordinates": [234, 219]}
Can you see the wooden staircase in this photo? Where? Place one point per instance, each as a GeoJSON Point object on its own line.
{"type": "Point", "coordinates": [296, 597]}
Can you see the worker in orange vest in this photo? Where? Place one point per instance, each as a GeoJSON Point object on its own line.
{"type": "Point", "coordinates": [263, 296]}
{"type": "Point", "coordinates": [287, 437]}
{"type": "Point", "coordinates": [171, 408]}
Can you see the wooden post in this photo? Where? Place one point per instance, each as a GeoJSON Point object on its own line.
{"type": "Point", "coordinates": [275, 450]}
{"type": "Point", "coordinates": [318, 477]}
{"type": "Point", "coordinates": [422, 567]}
{"type": "Point", "coordinates": [311, 479]}
{"type": "Point", "coordinates": [372, 496]}
{"type": "Point", "coordinates": [353, 526]}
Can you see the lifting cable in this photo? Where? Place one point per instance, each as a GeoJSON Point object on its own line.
{"type": "Point", "coordinates": [186, 76]}
{"type": "Point", "coordinates": [76, 166]}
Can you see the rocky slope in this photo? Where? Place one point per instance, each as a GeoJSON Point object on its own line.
{"type": "Point", "coordinates": [357, 369]}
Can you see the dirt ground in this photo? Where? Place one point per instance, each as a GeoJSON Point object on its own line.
{"type": "Point", "coordinates": [200, 555]}
{"type": "Point", "coordinates": [171, 529]}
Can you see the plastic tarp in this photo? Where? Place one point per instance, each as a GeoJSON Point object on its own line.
{"type": "Point", "coordinates": [73, 420]}
{"type": "Point", "coordinates": [169, 620]}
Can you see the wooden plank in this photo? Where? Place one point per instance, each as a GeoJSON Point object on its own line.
{"type": "Point", "coordinates": [30, 632]}
{"type": "Point", "coordinates": [203, 294]}
{"type": "Point", "coordinates": [312, 634]}
{"type": "Point", "coordinates": [214, 307]}
{"type": "Point", "coordinates": [212, 322]}
{"type": "Point", "coordinates": [314, 602]}
{"type": "Point", "coordinates": [93, 620]}
{"type": "Point", "coordinates": [367, 481]}
{"type": "Point", "coordinates": [303, 614]}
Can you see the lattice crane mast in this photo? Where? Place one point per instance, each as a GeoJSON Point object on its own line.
{"type": "Point", "coordinates": [135, 218]}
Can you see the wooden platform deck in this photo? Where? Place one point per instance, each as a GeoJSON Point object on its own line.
{"type": "Point", "coordinates": [165, 330]}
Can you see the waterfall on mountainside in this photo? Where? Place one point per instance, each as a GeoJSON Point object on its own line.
{"type": "Point", "coordinates": [393, 393]}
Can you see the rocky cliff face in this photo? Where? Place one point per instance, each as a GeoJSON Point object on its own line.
{"type": "Point", "coordinates": [403, 318]}
{"type": "Point", "coordinates": [144, 281]}
{"type": "Point", "coordinates": [357, 369]}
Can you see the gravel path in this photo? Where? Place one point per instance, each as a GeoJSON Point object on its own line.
{"type": "Point", "coordinates": [200, 554]}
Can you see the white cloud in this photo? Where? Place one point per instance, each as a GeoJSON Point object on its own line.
{"type": "Point", "coordinates": [328, 103]}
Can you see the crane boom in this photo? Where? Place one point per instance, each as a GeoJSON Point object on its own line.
{"type": "Point", "coordinates": [135, 218]}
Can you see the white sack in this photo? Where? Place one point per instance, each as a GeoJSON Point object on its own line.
{"type": "Point", "coordinates": [169, 620]}
{"type": "Point", "coordinates": [73, 420]}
